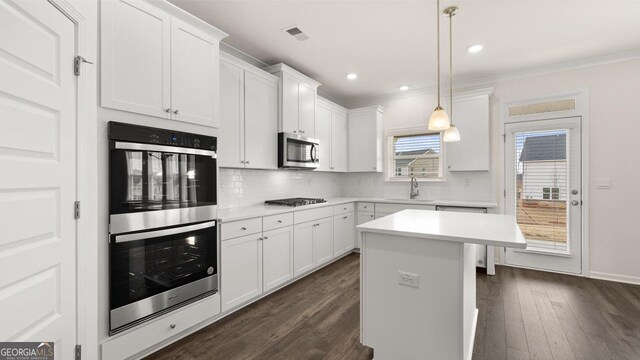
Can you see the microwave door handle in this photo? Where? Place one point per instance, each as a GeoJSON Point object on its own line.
{"type": "Point", "coordinates": [159, 233]}
{"type": "Point", "coordinates": [314, 153]}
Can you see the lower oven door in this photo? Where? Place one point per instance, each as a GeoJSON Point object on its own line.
{"type": "Point", "coordinates": [152, 271]}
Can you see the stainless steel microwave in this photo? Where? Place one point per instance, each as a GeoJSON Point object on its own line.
{"type": "Point", "coordinates": [297, 151]}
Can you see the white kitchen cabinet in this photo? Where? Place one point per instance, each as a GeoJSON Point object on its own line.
{"type": "Point", "coordinates": [365, 139]}
{"type": "Point", "coordinates": [296, 100]}
{"type": "Point", "coordinates": [158, 61]}
{"type": "Point", "coordinates": [363, 217]}
{"type": "Point", "coordinates": [343, 233]}
{"type": "Point", "coordinates": [471, 117]}
{"type": "Point", "coordinates": [331, 131]}
{"type": "Point", "coordinates": [241, 270]}
{"type": "Point", "coordinates": [248, 133]}
{"type": "Point", "coordinates": [323, 241]}
{"type": "Point", "coordinates": [277, 257]}
{"type": "Point", "coordinates": [303, 248]}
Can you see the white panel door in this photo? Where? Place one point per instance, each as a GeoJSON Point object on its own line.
{"type": "Point", "coordinates": [38, 183]}
{"type": "Point", "coordinates": [231, 134]}
{"type": "Point", "coordinates": [303, 247]}
{"type": "Point", "coordinates": [307, 110]}
{"type": "Point", "coordinates": [135, 51]}
{"type": "Point", "coordinates": [194, 75]}
{"type": "Point", "coordinates": [323, 134]}
{"type": "Point", "coordinates": [277, 257]}
{"type": "Point", "coordinates": [289, 104]}
{"type": "Point", "coordinates": [261, 121]}
{"type": "Point", "coordinates": [338, 140]}
{"type": "Point", "coordinates": [240, 270]}
{"type": "Point", "coordinates": [543, 191]}
{"type": "Point", "coordinates": [323, 241]}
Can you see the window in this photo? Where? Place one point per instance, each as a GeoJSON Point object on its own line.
{"type": "Point", "coordinates": [546, 192]}
{"type": "Point", "coordinates": [418, 155]}
{"type": "Point", "coordinates": [551, 193]}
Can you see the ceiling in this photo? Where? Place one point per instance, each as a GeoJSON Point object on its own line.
{"type": "Point", "coordinates": [392, 43]}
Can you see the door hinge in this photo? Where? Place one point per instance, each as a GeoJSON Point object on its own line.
{"type": "Point", "coordinates": [77, 61]}
{"type": "Point", "coordinates": [78, 352]}
{"type": "Point", "coordinates": [76, 210]}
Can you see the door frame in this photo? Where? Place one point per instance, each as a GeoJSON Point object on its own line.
{"type": "Point", "coordinates": [84, 16]}
{"type": "Point", "coordinates": [581, 98]}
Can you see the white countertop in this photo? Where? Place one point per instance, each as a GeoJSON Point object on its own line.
{"type": "Point", "coordinates": [486, 229]}
{"type": "Point", "coordinates": [248, 212]}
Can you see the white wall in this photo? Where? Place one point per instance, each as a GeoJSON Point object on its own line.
{"type": "Point", "coordinates": [614, 122]}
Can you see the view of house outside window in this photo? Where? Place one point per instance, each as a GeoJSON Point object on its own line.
{"type": "Point", "coordinates": [416, 155]}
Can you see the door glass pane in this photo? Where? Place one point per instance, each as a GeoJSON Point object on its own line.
{"type": "Point", "coordinates": [542, 166]}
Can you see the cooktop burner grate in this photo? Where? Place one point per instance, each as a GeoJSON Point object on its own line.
{"type": "Point", "coordinates": [295, 201]}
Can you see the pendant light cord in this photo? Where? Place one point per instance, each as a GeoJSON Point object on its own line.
{"type": "Point", "coordinates": [451, 67]}
{"type": "Point", "coordinates": [438, 46]}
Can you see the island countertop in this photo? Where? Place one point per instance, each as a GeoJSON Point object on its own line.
{"type": "Point", "coordinates": [485, 229]}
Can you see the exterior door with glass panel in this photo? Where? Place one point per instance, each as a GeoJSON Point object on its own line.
{"type": "Point", "coordinates": [543, 191]}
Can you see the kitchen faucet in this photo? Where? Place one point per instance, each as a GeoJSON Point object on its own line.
{"type": "Point", "coordinates": [414, 188]}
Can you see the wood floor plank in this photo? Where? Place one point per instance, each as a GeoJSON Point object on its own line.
{"type": "Point", "coordinates": [523, 315]}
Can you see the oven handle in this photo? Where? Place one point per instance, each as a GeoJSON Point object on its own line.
{"type": "Point", "coordinates": [158, 233]}
{"type": "Point", "coordinates": [164, 148]}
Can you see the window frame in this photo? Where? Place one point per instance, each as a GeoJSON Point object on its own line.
{"type": "Point", "coordinates": [389, 157]}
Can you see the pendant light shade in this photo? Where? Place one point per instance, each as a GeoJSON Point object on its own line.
{"type": "Point", "coordinates": [451, 134]}
{"type": "Point", "coordinates": [439, 120]}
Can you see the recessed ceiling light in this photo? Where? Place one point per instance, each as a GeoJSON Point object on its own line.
{"type": "Point", "coordinates": [352, 76]}
{"type": "Point", "coordinates": [475, 48]}
{"type": "Point", "coordinates": [404, 88]}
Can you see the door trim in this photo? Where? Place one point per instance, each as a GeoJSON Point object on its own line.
{"type": "Point", "coordinates": [581, 97]}
{"type": "Point", "coordinates": [84, 16]}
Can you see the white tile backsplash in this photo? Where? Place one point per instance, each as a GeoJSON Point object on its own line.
{"type": "Point", "coordinates": [244, 187]}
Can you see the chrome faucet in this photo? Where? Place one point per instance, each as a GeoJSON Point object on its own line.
{"type": "Point", "coordinates": [414, 188]}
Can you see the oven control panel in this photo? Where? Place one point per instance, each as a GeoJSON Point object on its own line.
{"type": "Point", "coordinates": [148, 135]}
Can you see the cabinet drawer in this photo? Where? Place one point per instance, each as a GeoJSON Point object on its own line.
{"type": "Point", "coordinates": [234, 229]}
{"type": "Point", "coordinates": [157, 331]}
{"type": "Point", "coordinates": [277, 221]}
{"type": "Point", "coordinates": [342, 209]}
{"type": "Point", "coordinates": [365, 206]}
{"type": "Point", "coordinates": [313, 214]}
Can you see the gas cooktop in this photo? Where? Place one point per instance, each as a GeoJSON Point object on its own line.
{"type": "Point", "coordinates": [295, 201]}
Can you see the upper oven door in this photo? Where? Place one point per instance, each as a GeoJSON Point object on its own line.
{"type": "Point", "coordinates": [148, 177]}
{"type": "Point", "coordinates": [296, 151]}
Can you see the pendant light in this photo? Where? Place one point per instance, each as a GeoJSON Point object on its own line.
{"type": "Point", "coordinates": [439, 119]}
{"type": "Point", "coordinates": [451, 134]}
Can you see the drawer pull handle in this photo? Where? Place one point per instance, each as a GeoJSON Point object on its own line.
{"type": "Point", "coordinates": [243, 228]}
{"type": "Point", "coordinates": [260, 238]}
{"type": "Point", "coordinates": [279, 221]}
{"type": "Point", "coordinates": [265, 238]}
{"type": "Point", "coordinates": [345, 217]}
{"type": "Point", "coordinates": [172, 326]}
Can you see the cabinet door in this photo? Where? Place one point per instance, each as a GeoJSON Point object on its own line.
{"type": "Point", "coordinates": [135, 53]}
{"type": "Point", "coordinates": [289, 104]}
{"type": "Point", "coordinates": [363, 142]}
{"type": "Point", "coordinates": [277, 257]}
{"type": "Point", "coordinates": [303, 248]}
{"type": "Point", "coordinates": [323, 134]}
{"type": "Point", "coordinates": [261, 121]}
{"type": "Point", "coordinates": [471, 153]}
{"type": "Point", "coordinates": [241, 279]}
{"type": "Point", "coordinates": [338, 140]}
{"type": "Point", "coordinates": [231, 135]}
{"type": "Point", "coordinates": [323, 241]}
{"type": "Point", "coordinates": [348, 232]}
{"type": "Point", "coordinates": [363, 217]}
{"type": "Point", "coordinates": [307, 109]}
{"type": "Point", "coordinates": [194, 75]}
{"type": "Point", "coordinates": [338, 243]}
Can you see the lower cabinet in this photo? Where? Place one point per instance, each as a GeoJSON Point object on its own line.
{"type": "Point", "coordinates": [343, 233]}
{"type": "Point", "coordinates": [241, 270]}
{"type": "Point", "coordinates": [312, 244]}
{"type": "Point", "coordinates": [277, 257]}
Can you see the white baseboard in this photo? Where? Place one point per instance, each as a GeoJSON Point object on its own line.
{"type": "Point", "coordinates": [615, 277]}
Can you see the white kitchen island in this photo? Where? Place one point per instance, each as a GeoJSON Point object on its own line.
{"type": "Point", "coordinates": [418, 281]}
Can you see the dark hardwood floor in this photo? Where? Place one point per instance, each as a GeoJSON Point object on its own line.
{"type": "Point", "coordinates": [523, 314]}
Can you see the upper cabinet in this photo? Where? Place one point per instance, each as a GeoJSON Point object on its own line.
{"type": "Point", "coordinates": [331, 131]}
{"type": "Point", "coordinates": [296, 100]}
{"type": "Point", "coordinates": [158, 61]}
{"type": "Point", "coordinates": [248, 134]}
{"type": "Point", "coordinates": [365, 139]}
{"type": "Point", "coordinates": [471, 116]}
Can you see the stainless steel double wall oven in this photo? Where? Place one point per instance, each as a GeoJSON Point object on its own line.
{"type": "Point", "coordinates": [163, 248]}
